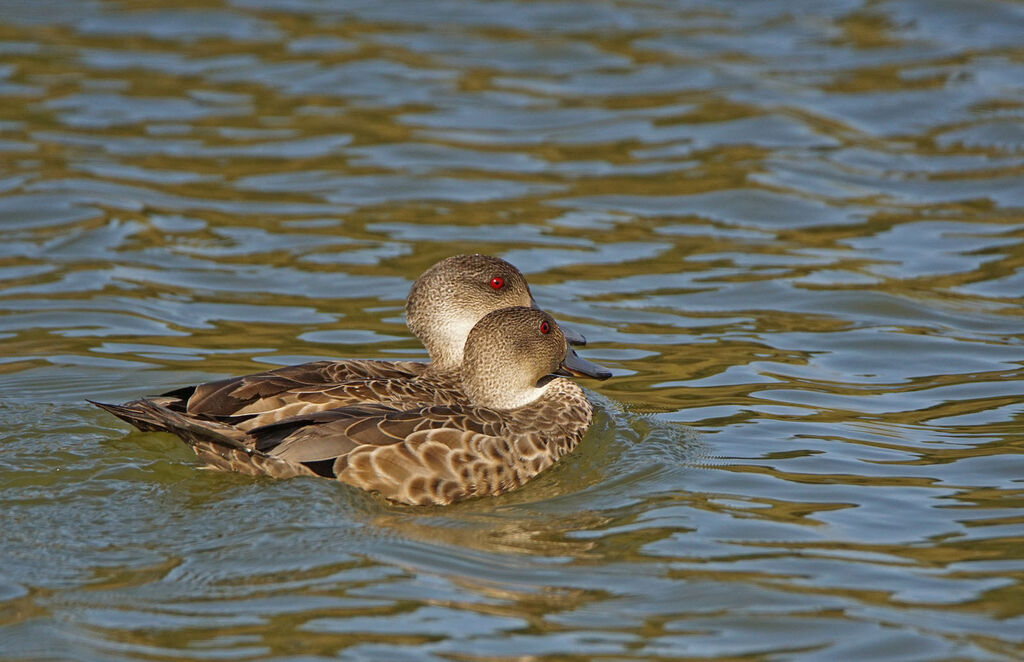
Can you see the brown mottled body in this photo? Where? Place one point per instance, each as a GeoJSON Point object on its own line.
{"type": "Point", "coordinates": [430, 455]}
{"type": "Point", "coordinates": [438, 454]}
{"type": "Point", "coordinates": [520, 419]}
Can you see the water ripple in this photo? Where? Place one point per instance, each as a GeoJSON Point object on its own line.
{"type": "Point", "coordinates": [792, 229]}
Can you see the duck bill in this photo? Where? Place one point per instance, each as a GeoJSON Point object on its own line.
{"type": "Point", "coordinates": [572, 336]}
{"type": "Point", "coordinates": [574, 365]}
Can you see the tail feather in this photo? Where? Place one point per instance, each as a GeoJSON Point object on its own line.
{"type": "Point", "coordinates": [133, 413]}
{"type": "Point", "coordinates": [149, 416]}
{"type": "Point", "coordinates": [218, 444]}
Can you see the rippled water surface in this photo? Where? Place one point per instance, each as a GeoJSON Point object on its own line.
{"type": "Point", "coordinates": [795, 230]}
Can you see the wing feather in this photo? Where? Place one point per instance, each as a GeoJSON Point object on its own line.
{"type": "Point", "coordinates": [242, 395]}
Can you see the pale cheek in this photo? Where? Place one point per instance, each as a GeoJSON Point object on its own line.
{"type": "Point", "coordinates": [529, 396]}
{"type": "Point", "coordinates": [458, 330]}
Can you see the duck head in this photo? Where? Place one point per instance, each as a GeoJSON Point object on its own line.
{"type": "Point", "coordinates": [511, 355]}
{"type": "Point", "coordinates": [448, 300]}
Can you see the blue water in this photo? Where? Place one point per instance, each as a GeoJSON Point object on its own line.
{"type": "Point", "coordinates": [794, 230]}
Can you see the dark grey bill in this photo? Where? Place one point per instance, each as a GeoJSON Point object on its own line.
{"type": "Point", "coordinates": [574, 365]}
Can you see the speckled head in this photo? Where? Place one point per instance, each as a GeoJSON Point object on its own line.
{"type": "Point", "coordinates": [447, 301]}
{"type": "Point", "coordinates": [508, 355]}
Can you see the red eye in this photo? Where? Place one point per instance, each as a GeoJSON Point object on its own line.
{"type": "Point", "coordinates": [497, 282]}
{"type": "Point", "coordinates": [544, 327]}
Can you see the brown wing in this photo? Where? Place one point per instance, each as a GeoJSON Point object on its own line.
{"type": "Point", "coordinates": [333, 433]}
{"type": "Point", "coordinates": [436, 454]}
{"type": "Point", "coordinates": [228, 397]}
{"type": "Point", "coordinates": [399, 394]}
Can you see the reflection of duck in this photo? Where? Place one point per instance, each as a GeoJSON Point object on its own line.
{"type": "Point", "coordinates": [443, 305]}
{"type": "Point", "coordinates": [520, 420]}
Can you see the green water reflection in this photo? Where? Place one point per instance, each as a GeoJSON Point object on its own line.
{"type": "Point", "coordinates": [793, 229]}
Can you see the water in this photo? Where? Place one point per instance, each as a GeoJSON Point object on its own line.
{"type": "Point", "coordinates": [794, 230]}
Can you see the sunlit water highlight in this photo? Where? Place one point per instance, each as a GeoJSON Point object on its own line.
{"type": "Point", "coordinates": [794, 229]}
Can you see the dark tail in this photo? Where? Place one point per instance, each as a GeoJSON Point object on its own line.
{"type": "Point", "coordinates": [217, 444]}
{"type": "Point", "coordinates": [150, 416]}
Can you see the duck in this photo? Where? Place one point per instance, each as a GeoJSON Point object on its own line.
{"type": "Point", "coordinates": [520, 417]}
{"type": "Point", "coordinates": [443, 305]}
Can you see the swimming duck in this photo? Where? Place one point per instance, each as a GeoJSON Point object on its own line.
{"type": "Point", "coordinates": [443, 306]}
{"type": "Point", "coordinates": [520, 419]}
